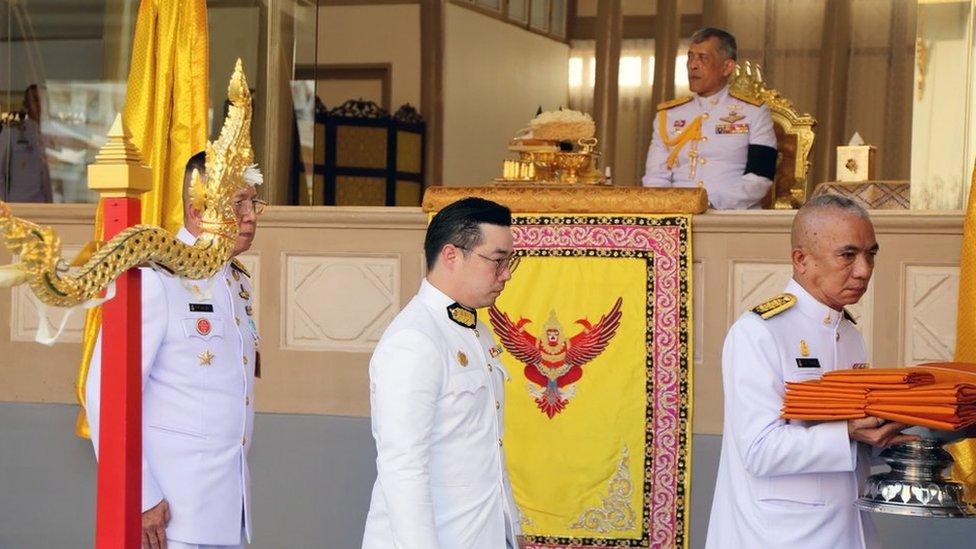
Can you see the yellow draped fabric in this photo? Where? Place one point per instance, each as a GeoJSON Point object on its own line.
{"type": "Point", "coordinates": [595, 328]}
{"type": "Point", "coordinates": [675, 144]}
{"type": "Point", "coordinates": [599, 436]}
{"type": "Point", "coordinates": [166, 113]}
{"type": "Point", "coordinates": [964, 451]}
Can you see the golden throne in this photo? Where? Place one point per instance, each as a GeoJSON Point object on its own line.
{"type": "Point", "coordinates": [794, 138]}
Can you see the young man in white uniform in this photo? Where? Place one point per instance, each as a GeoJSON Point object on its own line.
{"type": "Point", "coordinates": [436, 394]}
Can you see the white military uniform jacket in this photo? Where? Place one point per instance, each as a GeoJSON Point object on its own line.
{"type": "Point", "coordinates": [787, 484]}
{"type": "Point", "coordinates": [198, 359]}
{"type": "Point", "coordinates": [436, 393]}
{"type": "Point", "coordinates": [718, 160]}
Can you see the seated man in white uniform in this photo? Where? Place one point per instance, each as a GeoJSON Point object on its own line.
{"type": "Point", "coordinates": [437, 396]}
{"type": "Point", "coordinates": [199, 345]}
{"type": "Point", "coordinates": [792, 484]}
{"type": "Point", "coordinates": [714, 139]}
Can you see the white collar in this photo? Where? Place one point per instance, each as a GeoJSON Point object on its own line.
{"type": "Point", "coordinates": [812, 307]}
{"type": "Point", "coordinates": [712, 101]}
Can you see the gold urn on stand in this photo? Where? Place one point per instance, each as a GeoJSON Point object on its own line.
{"type": "Point", "coordinates": [558, 148]}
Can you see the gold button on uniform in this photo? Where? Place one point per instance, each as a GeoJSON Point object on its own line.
{"type": "Point", "coordinates": [703, 160]}
{"type": "Point", "coordinates": [705, 116]}
{"type": "Point", "coordinates": [245, 360]}
{"type": "Point", "coordinates": [247, 401]}
{"type": "Point", "coordinates": [704, 138]}
{"type": "Point", "coordinates": [498, 405]}
{"type": "Point", "coordinates": [243, 441]}
{"type": "Point", "coordinates": [499, 442]}
{"type": "Point", "coordinates": [701, 183]}
{"type": "Point", "coordinates": [489, 367]}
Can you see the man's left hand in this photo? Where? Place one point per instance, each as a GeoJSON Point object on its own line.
{"type": "Point", "coordinates": [876, 432]}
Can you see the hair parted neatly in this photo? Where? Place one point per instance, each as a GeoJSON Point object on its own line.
{"type": "Point", "coordinates": [459, 224]}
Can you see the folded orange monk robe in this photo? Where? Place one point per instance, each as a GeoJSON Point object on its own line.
{"type": "Point", "coordinates": [951, 372]}
{"type": "Point", "coordinates": [938, 393]}
{"type": "Point", "coordinates": [822, 417]}
{"type": "Point", "coordinates": [817, 386]}
{"type": "Point", "coordinates": [823, 402]}
{"type": "Point", "coordinates": [926, 422]}
{"type": "Point", "coordinates": [881, 376]}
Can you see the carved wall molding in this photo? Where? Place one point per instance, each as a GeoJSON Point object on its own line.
{"type": "Point", "coordinates": [338, 302]}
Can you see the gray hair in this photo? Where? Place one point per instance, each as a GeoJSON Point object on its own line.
{"type": "Point", "coordinates": [838, 202]}
{"type": "Point", "coordinates": [726, 42]}
{"type": "Point", "coordinates": [801, 221]}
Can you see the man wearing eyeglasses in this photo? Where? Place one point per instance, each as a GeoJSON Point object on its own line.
{"type": "Point", "coordinates": [436, 395]}
{"type": "Point", "coordinates": [199, 360]}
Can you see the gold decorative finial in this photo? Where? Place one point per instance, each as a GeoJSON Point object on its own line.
{"type": "Point", "coordinates": [118, 149]}
{"type": "Point", "coordinates": [118, 170]}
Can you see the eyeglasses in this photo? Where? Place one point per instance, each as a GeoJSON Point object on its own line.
{"type": "Point", "coordinates": [509, 262]}
{"type": "Point", "coordinates": [244, 207]}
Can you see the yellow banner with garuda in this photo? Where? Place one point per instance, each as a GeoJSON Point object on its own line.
{"type": "Point", "coordinates": [596, 325]}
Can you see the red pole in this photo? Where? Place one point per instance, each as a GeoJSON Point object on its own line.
{"type": "Point", "coordinates": [119, 508]}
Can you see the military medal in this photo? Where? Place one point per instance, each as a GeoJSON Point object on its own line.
{"type": "Point", "coordinates": [203, 326]}
{"type": "Point", "coordinates": [462, 358]}
{"type": "Point", "coordinates": [804, 348]}
{"type": "Point", "coordinates": [206, 358]}
{"type": "Point", "coordinates": [861, 366]}
{"type": "Point", "coordinates": [733, 115]}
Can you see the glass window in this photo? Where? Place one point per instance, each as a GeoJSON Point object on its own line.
{"type": "Point", "coordinates": [494, 5]}
{"type": "Point", "coordinates": [557, 19]}
{"type": "Point", "coordinates": [518, 10]}
{"type": "Point", "coordinates": [539, 15]}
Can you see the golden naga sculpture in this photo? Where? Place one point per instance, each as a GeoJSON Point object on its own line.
{"type": "Point", "coordinates": [229, 168]}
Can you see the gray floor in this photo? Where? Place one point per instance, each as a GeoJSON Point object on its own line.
{"type": "Point", "coordinates": [312, 477]}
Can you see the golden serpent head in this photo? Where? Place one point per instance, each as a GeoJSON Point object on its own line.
{"type": "Point", "coordinates": [230, 163]}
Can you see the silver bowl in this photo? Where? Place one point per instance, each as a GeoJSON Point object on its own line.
{"type": "Point", "coordinates": [916, 484]}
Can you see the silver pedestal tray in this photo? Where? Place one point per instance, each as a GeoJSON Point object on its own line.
{"type": "Point", "coordinates": [916, 484]}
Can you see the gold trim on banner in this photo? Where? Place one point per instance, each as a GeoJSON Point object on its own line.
{"type": "Point", "coordinates": [616, 513]}
{"type": "Point", "coordinates": [574, 199]}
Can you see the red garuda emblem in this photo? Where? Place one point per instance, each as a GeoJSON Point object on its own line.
{"type": "Point", "coordinates": [553, 364]}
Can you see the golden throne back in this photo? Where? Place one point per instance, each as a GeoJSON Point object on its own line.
{"type": "Point", "coordinates": [794, 138]}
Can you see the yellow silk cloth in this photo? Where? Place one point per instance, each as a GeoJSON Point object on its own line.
{"type": "Point", "coordinates": [165, 111]}
{"type": "Point", "coordinates": [691, 133]}
{"type": "Point", "coordinates": [964, 451]}
{"type": "Point", "coordinates": [561, 467]}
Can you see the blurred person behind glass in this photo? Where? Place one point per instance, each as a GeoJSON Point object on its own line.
{"type": "Point", "coordinates": [24, 175]}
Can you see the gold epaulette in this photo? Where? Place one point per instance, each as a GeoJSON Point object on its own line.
{"type": "Point", "coordinates": [238, 266]}
{"type": "Point", "coordinates": [673, 103]}
{"type": "Point", "coordinates": [752, 100]}
{"type": "Point", "coordinates": [774, 306]}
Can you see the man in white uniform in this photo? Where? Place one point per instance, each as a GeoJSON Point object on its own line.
{"type": "Point", "coordinates": [714, 139]}
{"type": "Point", "coordinates": [436, 393]}
{"type": "Point", "coordinates": [199, 354]}
{"type": "Point", "coordinates": [24, 174]}
{"type": "Point", "coordinates": [792, 484]}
